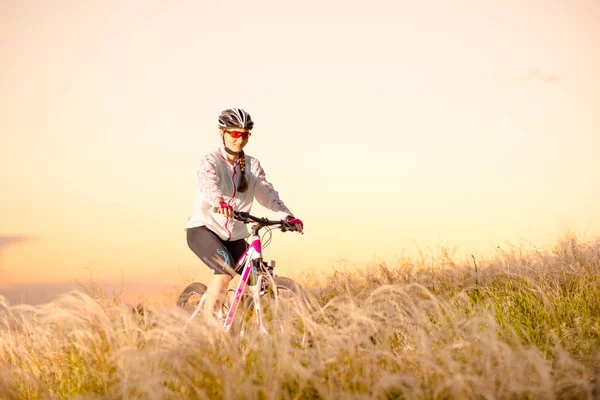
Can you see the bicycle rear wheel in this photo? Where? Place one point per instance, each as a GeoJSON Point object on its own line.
{"type": "Point", "coordinates": [284, 307]}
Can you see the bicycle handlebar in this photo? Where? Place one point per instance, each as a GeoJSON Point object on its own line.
{"type": "Point", "coordinates": [247, 218]}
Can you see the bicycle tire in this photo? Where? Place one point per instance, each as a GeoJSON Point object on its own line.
{"type": "Point", "coordinates": [191, 290]}
{"type": "Point", "coordinates": [243, 324]}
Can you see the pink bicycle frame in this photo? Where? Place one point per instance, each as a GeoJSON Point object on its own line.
{"type": "Point", "coordinates": [253, 252]}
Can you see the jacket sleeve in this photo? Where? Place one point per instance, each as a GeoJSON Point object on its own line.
{"type": "Point", "coordinates": [265, 193]}
{"type": "Point", "coordinates": [208, 180]}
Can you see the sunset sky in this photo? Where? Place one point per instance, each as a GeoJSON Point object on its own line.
{"type": "Point", "coordinates": [388, 127]}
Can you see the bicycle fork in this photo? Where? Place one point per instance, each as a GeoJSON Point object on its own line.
{"type": "Point", "coordinates": [258, 315]}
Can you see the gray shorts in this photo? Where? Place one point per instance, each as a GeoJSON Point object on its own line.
{"type": "Point", "coordinates": [219, 255]}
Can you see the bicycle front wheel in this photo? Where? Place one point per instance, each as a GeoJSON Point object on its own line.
{"type": "Point", "coordinates": [284, 308]}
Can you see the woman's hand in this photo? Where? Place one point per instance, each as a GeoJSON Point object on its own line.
{"type": "Point", "coordinates": [223, 208]}
{"type": "Point", "coordinates": [298, 225]}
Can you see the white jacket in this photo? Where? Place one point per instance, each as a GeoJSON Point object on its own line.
{"type": "Point", "coordinates": [217, 177]}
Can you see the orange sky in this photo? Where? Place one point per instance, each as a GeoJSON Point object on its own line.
{"type": "Point", "coordinates": [384, 125]}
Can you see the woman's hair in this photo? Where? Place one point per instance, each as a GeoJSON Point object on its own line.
{"type": "Point", "coordinates": [243, 181]}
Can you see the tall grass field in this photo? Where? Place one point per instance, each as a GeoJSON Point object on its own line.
{"type": "Point", "coordinates": [519, 325]}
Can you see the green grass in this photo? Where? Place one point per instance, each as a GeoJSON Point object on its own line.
{"type": "Point", "coordinates": [520, 325]}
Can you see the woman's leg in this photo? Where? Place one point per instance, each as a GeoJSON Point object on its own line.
{"type": "Point", "coordinates": [215, 295]}
{"type": "Point", "coordinates": [220, 256]}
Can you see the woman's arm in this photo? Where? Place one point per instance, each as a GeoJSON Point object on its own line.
{"type": "Point", "coordinates": [265, 193]}
{"type": "Point", "coordinates": [208, 181]}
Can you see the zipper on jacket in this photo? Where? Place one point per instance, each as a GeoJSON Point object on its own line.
{"type": "Point", "coordinates": [230, 200]}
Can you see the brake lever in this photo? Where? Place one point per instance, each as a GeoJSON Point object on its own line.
{"type": "Point", "coordinates": [286, 226]}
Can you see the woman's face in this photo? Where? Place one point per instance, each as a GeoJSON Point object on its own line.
{"type": "Point", "coordinates": [235, 139]}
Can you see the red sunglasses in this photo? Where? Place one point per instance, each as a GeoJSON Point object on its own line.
{"type": "Point", "coordinates": [237, 134]}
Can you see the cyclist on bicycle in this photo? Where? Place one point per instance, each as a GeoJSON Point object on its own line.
{"type": "Point", "coordinates": [228, 179]}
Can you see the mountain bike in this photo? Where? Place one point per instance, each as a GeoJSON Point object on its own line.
{"type": "Point", "coordinates": [268, 302]}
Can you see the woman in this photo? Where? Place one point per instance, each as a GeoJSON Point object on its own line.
{"type": "Point", "coordinates": [228, 180]}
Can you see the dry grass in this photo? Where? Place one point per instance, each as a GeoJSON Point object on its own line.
{"type": "Point", "coordinates": [513, 327]}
